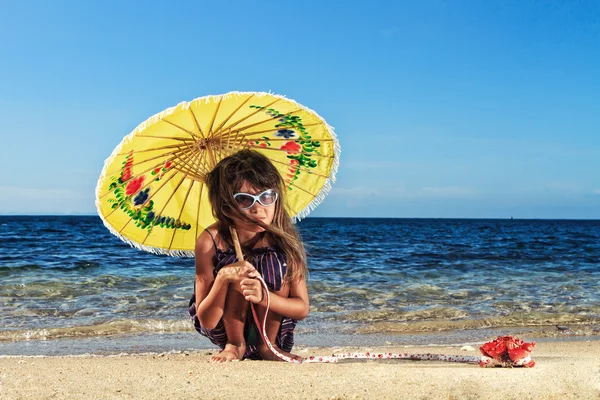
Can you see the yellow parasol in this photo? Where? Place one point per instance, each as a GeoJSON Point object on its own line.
{"type": "Point", "coordinates": [151, 191]}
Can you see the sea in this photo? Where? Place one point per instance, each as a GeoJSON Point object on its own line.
{"type": "Point", "coordinates": [69, 287]}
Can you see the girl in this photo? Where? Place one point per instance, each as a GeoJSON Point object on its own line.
{"type": "Point", "coordinates": [246, 192]}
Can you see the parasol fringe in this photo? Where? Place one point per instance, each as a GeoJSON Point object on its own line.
{"type": "Point", "coordinates": [186, 105]}
{"type": "Point", "coordinates": [149, 249]}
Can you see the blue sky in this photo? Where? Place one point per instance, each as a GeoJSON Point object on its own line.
{"type": "Point", "coordinates": [443, 108]}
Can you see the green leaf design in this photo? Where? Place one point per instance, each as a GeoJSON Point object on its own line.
{"type": "Point", "coordinates": [308, 147]}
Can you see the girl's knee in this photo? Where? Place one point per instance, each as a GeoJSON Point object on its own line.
{"type": "Point", "coordinates": [236, 305]}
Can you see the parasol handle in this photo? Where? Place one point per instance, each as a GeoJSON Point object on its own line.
{"type": "Point", "coordinates": [236, 244]}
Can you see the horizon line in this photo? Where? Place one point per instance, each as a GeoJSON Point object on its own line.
{"type": "Point", "coordinates": [359, 217]}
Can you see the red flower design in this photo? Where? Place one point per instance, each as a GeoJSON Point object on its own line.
{"type": "Point", "coordinates": [169, 164]}
{"type": "Point", "coordinates": [126, 174]}
{"type": "Point", "coordinates": [291, 147]}
{"type": "Point", "coordinates": [134, 186]}
{"type": "Point", "coordinates": [129, 161]}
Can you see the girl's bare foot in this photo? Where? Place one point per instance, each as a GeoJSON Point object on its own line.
{"type": "Point", "coordinates": [231, 352]}
{"type": "Point", "coordinates": [267, 354]}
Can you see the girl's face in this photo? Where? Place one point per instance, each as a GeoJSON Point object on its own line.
{"type": "Point", "coordinates": [258, 211]}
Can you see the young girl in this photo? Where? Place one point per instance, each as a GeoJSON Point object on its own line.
{"type": "Point", "coordinates": [246, 192]}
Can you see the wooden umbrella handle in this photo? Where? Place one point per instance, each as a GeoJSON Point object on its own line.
{"type": "Point", "coordinates": [236, 244]}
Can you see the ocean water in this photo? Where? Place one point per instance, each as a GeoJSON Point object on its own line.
{"type": "Point", "coordinates": [67, 286]}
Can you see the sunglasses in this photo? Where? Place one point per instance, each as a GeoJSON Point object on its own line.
{"type": "Point", "coordinates": [246, 201]}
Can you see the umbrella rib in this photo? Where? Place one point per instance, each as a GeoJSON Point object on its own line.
{"type": "Point", "coordinates": [220, 147]}
{"type": "Point", "coordinates": [194, 169]}
{"type": "Point", "coordinates": [173, 154]}
{"type": "Point", "coordinates": [192, 134]}
{"type": "Point", "coordinates": [165, 205]}
{"type": "Point", "coordinates": [171, 146]}
{"type": "Point", "coordinates": [201, 156]}
{"type": "Point", "coordinates": [304, 190]}
{"type": "Point", "coordinates": [181, 213]}
{"type": "Point", "coordinates": [143, 188]}
{"type": "Point", "coordinates": [228, 151]}
{"type": "Point", "coordinates": [272, 129]}
{"type": "Point", "coordinates": [189, 167]}
{"type": "Point", "coordinates": [264, 121]}
{"type": "Point", "coordinates": [199, 172]}
{"type": "Point", "coordinates": [234, 143]}
{"type": "Point", "coordinates": [161, 186]}
{"type": "Point", "coordinates": [237, 143]}
{"type": "Point", "coordinates": [313, 154]}
{"type": "Point", "coordinates": [198, 209]}
{"type": "Point", "coordinates": [166, 137]}
{"type": "Point", "coordinates": [196, 122]}
{"type": "Point", "coordinates": [287, 140]}
{"type": "Point", "coordinates": [248, 116]}
{"type": "Point", "coordinates": [205, 162]}
{"type": "Point", "coordinates": [300, 168]}
{"type": "Point", "coordinates": [201, 162]}
{"type": "Point", "coordinates": [141, 162]}
{"type": "Point", "coordinates": [149, 197]}
{"type": "Point", "coordinates": [212, 120]}
{"type": "Point", "coordinates": [293, 211]}
{"type": "Point", "coordinates": [187, 163]}
{"type": "Point", "coordinates": [233, 113]}
{"type": "Point", "coordinates": [238, 146]}
{"type": "Point", "coordinates": [186, 159]}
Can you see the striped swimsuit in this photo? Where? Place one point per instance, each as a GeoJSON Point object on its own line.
{"type": "Point", "coordinates": [271, 263]}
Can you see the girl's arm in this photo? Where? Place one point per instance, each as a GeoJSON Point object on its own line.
{"type": "Point", "coordinates": [295, 306]}
{"type": "Point", "coordinates": [210, 291]}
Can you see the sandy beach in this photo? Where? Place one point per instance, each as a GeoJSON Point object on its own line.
{"type": "Point", "coordinates": [569, 369]}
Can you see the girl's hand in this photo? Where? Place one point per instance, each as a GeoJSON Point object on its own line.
{"type": "Point", "coordinates": [237, 271]}
{"type": "Point", "coordinates": [252, 290]}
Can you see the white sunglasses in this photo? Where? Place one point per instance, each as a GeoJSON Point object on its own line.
{"type": "Point", "coordinates": [246, 200]}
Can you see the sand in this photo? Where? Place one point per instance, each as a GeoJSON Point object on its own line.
{"type": "Point", "coordinates": [563, 370]}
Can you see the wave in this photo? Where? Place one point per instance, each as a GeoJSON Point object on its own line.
{"type": "Point", "coordinates": [521, 320]}
{"type": "Point", "coordinates": [77, 265]}
{"type": "Point", "coordinates": [52, 230]}
{"type": "Point", "coordinates": [111, 328]}
{"type": "Point", "coordinates": [435, 313]}
{"type": "Point", "coordinates": [24, 267]}
{"type": "Point", "coordinates": [445, 320]}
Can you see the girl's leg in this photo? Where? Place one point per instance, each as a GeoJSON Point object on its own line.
{"type": "Point", "coordinates": [234, 317]}
{"type": "Point", "coordinates": [272, 326]}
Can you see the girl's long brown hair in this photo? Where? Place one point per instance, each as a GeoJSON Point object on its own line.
{"type": "Point", "coordinates": [227, 178]}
